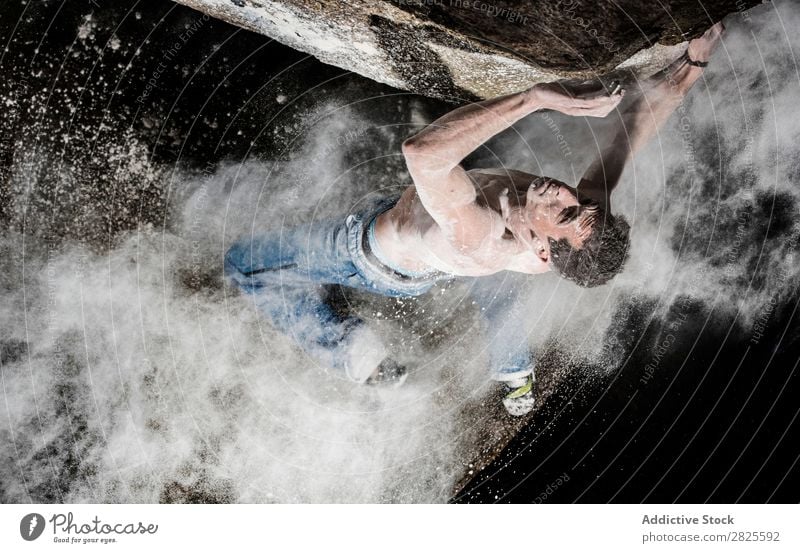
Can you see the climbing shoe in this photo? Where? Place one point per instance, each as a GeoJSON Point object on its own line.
{"type": "Point", "coordinates": [518, 400]}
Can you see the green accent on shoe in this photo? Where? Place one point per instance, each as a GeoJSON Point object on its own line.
{"type": "Point", "coordinates": [522, 390]}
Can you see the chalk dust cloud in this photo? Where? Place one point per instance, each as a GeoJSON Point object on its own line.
{"type": "Point", "coordinates": [131, 373]}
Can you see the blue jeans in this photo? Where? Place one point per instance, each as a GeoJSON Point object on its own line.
{"type": "Point", "coordinates": [288, 273]}
{"type": "Point", "coordinates": [498, 297]}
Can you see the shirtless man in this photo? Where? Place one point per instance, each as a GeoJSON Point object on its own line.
{"type": "Point", "coordinates": [456, 223]}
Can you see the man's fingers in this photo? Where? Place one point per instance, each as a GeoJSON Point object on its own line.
{"type": "Point", "coordinates": [601, 101]}
{"type": "Point", "coordinates": [602, 108]}
{"type": "Point", "coordinates": [715, 31]}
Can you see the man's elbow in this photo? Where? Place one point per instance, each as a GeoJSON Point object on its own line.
{"type": "Point", "coordinates": [414, 154]}
{"type": "Point", "coordinates": [422, 157]}
{"type": "Point", "coordinates": [411, 148]}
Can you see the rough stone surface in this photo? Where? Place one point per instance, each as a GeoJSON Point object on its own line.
{"type": "Point", "coordinates": [467, 49]}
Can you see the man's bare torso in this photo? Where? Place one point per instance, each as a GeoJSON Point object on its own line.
{"type": "Point", "coordinates": [411, 238]}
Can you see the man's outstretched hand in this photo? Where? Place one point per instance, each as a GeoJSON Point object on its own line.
{"type": "Point", "coordinates": [700, 49]}
{"type": "Point", "coordinates": [578, 100]}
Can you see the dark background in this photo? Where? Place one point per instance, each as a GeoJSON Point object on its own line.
{"type": "Point", "coordinates": [717, 423]}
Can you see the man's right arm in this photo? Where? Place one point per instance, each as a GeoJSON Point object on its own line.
{"type": "Point", "coordinates": [642, 120]}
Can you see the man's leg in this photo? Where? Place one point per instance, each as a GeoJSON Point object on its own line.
{"type": "Point", "coordinates": [510, 360]}
{"type": "Point", "coordinates": [641, 119]}
{"type": "Point", "coordinates": [284, 272]}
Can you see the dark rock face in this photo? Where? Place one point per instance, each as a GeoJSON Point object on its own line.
{"type": "Point", "coordinates": [466, 49]}
{"type": "Point", "coordinates": [575, 35]}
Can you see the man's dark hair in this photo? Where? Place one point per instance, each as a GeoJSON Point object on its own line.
{"type": "Point", "coordinates": [602, 255]}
